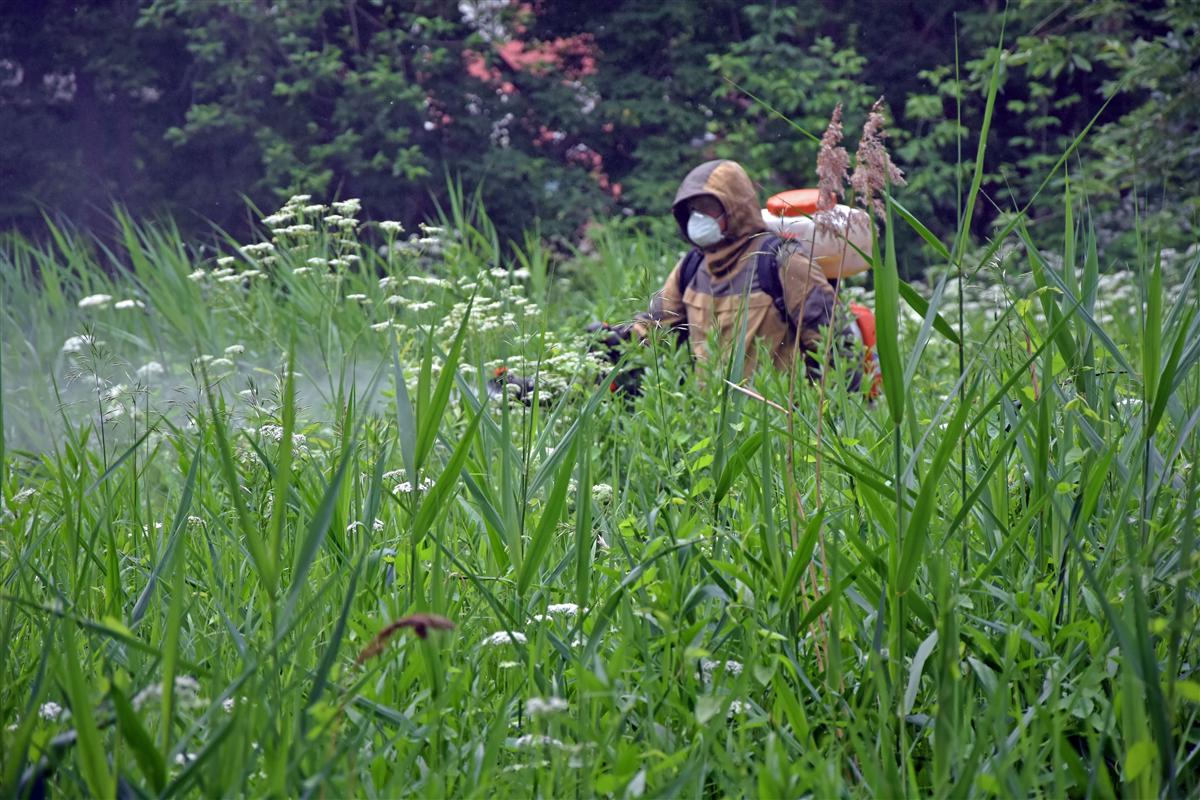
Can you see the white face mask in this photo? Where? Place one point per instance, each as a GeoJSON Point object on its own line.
{"type": "Point", "coordinates": [703, 230]}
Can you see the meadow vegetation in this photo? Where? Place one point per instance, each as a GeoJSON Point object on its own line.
{"type": "Point", "coordinates": [266, 530]}
{"type": "Point", "coordinates": [225, 474]}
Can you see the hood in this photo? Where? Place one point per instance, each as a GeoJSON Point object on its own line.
{"type": "Point", "coordinates": [731, 186]}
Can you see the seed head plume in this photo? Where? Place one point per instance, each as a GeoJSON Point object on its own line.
{"type": "Point", "coordinates": [832, 163]}
{"type": "Point", "coordinates": [874, 170]}
{"type": "Point", "coordinates": [420, 623]}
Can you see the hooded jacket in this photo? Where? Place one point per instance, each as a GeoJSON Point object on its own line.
{"type": "Point", "coordinates": [726, 285]}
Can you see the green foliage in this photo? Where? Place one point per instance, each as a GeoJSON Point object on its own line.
{"type": "Point", "coordinates": [988, 588]}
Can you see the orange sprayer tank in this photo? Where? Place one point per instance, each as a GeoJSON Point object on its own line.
{"type": "Point", "coordinates": [846, 251]}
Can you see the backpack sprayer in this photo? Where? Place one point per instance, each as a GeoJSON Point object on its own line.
{"type": "Point", "coordinates": [841, 250]}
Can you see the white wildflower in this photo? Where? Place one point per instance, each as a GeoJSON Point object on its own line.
{"type": "Point", "coordinates": [358, 298]}
{"type": "Point", "coordinates": [499, 272]}
{"type": "Point", "coordinates": [221, 363]}
{"type": "Point", "coordinates": [235, 350]}
{"type": "Point", "coordinates": [95, 301]}
{"type": "Point", "coordinates": [301, 270]}
{"type": "Point", "coordinates": [381, 326]}
{"type": "Point", "coordinates": [395, 300]}
{"type": "Point", "coordinates": [184, 758]}
{"type": "Point", "coordinates": [602, 494]}
{"type": "Point", "coordinates": [260, 249]}
{"type": "Point", "coordinates": [504, 637]}
{"type": "Point", "coordinates": [197, 275]}
{"type": "Point", "coordinates": [225, 261]}
{"type": "Point", "coordinates": [78, 344]}
{"type": "Point", "coordinates": [521, 274]}
{"type": "Point", "coordinates": [231, 279]}
{"type": "Point", "coordinates": [51, 711]}
{"type": "Point", "coordinates": [302, 229]}
{"type": "Point", "coordinates": [276, 220]}
{"type": "Point", "coordinates": [348, 207]}
{"type": "Point", "coordinates": [543, 706]}
{"type": "Point", "coordinates": [258, 273]}
{"type": "Point", "coordinates": [227, 704]}
{"type": "Point", "coordinates": [150, 370]}
{"type": "Point", "coordinates": [298, 200]}
{"type": "Point", "coordinates": [347, 224]}
{"type": "Point", "coordinates": [129, 303]}
{"type": "Point", "coordinates": [222, 273]}
{"type": "Point", "coordinates": [187, 694]}
{"type": "Point", "coordinates": [338, 262]}
{"type": "Point", "coordinates": [333, 219]}
{"type": "Point", "coordinates": [316, 208]}
{"type": "Point", "coordinates": [708, 668]}
{"type": "Point", "coordinates": [529, 741]}
{"type": "Point", "coordinates": [387, 282]}
{"type": "Point", "coordinates": [317, 262]}
{"type": "Point", "coordinates": [418, 307]}
{"type": "Point", "coordinates": [391, 226]}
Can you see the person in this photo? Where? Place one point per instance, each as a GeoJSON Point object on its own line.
{"type": "Point", "coordinates": [720, 283]}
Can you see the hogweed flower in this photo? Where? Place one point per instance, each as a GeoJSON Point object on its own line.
{"type": "Point", "coordinates": [187, 694]}
{"type": "Point", "coordinates": [874, 170]}
{"type": "Point", "coordinates": [544, 706]}
{"type": "Point", "coordinates": [50, 711]}
{"type": "Point", "coordinates": [78, 344]}
{"type": "Point", "coordinates": [95, 301]}
{"type": "Point", "coordinates": [708, 668]}
{"type": "Point", "coordinates": [150, 370]}
{"type": "Point", "coordinates": [503, 637]}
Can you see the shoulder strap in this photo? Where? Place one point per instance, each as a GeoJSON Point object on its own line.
{"type": "Point", "coordinates": [767, 266]}
{"type": "Point", "coordinates": [689, 268]}
{"type": "Point", "coordinates": [687, 273]}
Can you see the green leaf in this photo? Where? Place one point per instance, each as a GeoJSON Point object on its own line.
{"type": "Point", "coordinates": [887, 326]}
{"type": "Point", "coordinates": [149, 760]}
{"type": "Point", "coordinates": [1139, 757]}
{"type": "Point", "coordinates": [707, 707]}
{"type": "Point", "coordinates": [431, 415]}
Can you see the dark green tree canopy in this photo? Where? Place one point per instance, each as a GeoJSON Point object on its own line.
{"type": "Point", "coordinates": [566, 112]}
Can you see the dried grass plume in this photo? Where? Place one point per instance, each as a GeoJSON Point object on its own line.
{"type": "Point", "coordinates": [874, 170]}
{"type": "Point", "coordinates": [420, 623]}
{"type": "Point", "coordinates": [832, 164]}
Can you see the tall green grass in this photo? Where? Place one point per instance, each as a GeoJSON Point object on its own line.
{"type": "Point", "coordinates": [190, 567]}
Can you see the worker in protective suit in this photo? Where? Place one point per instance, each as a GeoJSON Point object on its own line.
{"type": "Point", "coordinates": [738, 269]}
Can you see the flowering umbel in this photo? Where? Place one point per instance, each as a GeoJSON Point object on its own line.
{"type": "Point", "coordinates": [874, 170]}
